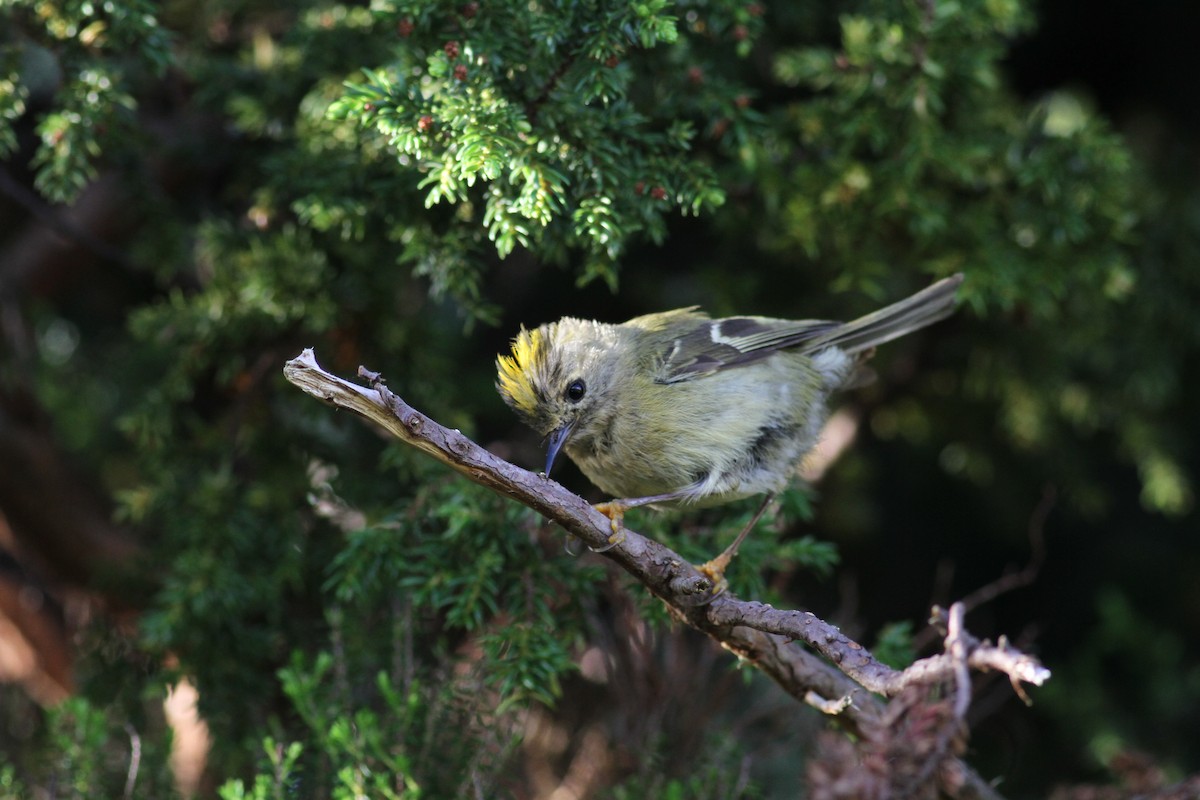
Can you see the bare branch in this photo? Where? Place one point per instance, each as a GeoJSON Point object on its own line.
{"type": "Point", "coordinates": [1037, 554]}
{"type": "Point", "coordinates": [1010, 581]}
{"type": "Point", "coordinates": [956, 649]}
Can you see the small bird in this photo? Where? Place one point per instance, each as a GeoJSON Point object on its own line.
{"type": "Point", "coordinates": [676, 408]}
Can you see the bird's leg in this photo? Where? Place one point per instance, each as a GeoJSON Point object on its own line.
{"type": "Point", "coordinates": [714, 570]}
{"type": "Point", "coordinates": [615, 511]}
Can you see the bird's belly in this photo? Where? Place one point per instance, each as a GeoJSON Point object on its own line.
{"type": "Point", "coordinates": [719, 447]}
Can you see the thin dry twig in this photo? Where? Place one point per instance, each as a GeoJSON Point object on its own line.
{"type": "Point", "coordinates": [956, 649]}
{"type": "Point", "coordinates": [1009, 581]}
{"type": "Point", "coordinates": [1037, 555]}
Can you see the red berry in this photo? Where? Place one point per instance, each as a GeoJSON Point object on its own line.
{"type": "Point", "coordinates": [612, 61]}
{"type": "Point", "coordinates": [470, 10]}
{"type": "Point", "coordinates": [742, 101]}
{"type": "Point", "coordinates": [451, 49]}
{"type": "Point", "coordinates": [639, 187]}
{"type": "Point", "coordinates": [460, 72]}
{"type": "Point", "coordinates": [368, 106]}
{"type": "Point", "coordinates": [740, 32]}
{"type": "Point", "coordinates": [405, 27]}
{"type": "Point", "coordinates": [695, 75]}
{"type": "Point", "coordinates": [755, 9]}
{"type": "Point", "coordinates": [425, 123]}
{"type": "Point", "coordinates": [658, 193]}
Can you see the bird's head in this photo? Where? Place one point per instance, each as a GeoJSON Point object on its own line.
{"type": "Point", "coordinates": [559, 380]}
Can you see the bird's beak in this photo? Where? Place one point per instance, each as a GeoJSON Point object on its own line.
{"type": "Point", "coordinates": [558, 438]}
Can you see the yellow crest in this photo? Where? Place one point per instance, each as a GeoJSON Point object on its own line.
{"type": "Point", "coordinates": [514, 373]}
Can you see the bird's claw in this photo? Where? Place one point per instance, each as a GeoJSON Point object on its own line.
{"type": "Point", "coordinates": [615, 511]}
{"type": "Point", "coordinates": [714, 571]}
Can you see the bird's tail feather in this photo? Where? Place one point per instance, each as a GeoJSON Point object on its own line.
{"type": "Point", "coordinates": [923, 308]}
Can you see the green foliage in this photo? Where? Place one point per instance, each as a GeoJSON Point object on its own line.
{"type": "Point", "coordinates": [441, 551]}
{"type": "Point", "coordinates": [547, 128]}
{"type": "Point", "coordinates": [717, 775]}
{"type": "Point", "coordinates": [11, 787]}
{"type": "Point", "coordinates": [1038, 204]}
{"type": "Point", "coordinates": [368, 752]}
{"type": "Point", "coordinates": [272, 785]}
{"type": "Point", "coordinates": [894, 645]}
{"type": "Point", "coordinates": [99, 50]}
{"type": "Point", "coordinates": [1127, 654]}
{"type": "Point", "coordinates": [375, 180]}
{"type": "Point", "coordinates": [93, 753]}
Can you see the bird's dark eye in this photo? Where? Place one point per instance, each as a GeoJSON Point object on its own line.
{"type": "Point", "coordinates": [576, 390]}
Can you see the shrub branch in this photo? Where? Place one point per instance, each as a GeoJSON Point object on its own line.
{"type": "Point", "coordinates": [844, 680]}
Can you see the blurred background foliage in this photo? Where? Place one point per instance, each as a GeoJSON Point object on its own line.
{"type": "Point", "coordinates": [192, 192]}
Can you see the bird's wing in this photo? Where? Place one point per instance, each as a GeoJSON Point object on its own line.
{"type": "Point", "coordinates": [694, 345]}
{"type": "Point", "coordinates": [689, 344]}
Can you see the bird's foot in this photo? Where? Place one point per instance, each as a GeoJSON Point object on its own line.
{"type": "Point", "coordinates": [714, 569]}
{"type": "Point", "coordinates": [615, 511]}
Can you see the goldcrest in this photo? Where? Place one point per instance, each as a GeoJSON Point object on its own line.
{"type": "Point", "coordinates": [677, 408]}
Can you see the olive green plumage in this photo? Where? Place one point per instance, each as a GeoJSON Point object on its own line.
{"type": "Point", "coordinates": [679, 407]}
